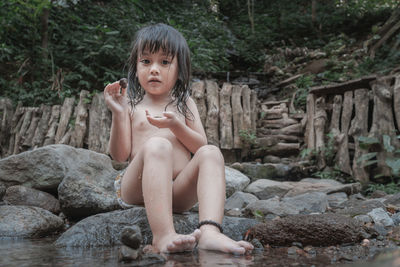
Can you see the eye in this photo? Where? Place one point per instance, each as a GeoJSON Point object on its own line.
{"type": "Point", "coordinates": [165, 62]}
{"type": "Point", "coordinates": [145, 61]}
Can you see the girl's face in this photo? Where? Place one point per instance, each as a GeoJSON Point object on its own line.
{"type": "Point", "coordinates": [157, 72]}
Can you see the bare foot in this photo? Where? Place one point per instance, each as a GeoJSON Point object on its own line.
{"type": "Point", "coordinates": [212, 239]}
{"type": "Point", "coordinates": [175, 243]}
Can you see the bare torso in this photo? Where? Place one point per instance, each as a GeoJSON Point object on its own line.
{"type": "Point", "coordinates": [142, 130]}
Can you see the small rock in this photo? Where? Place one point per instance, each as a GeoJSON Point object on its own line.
{"type": "Point", "coordinates": [365, 243]}
{"type": "Point", "coordinates": [396, 218]}
{"type": "Point", "coordinates": [363, 219]}
{"type": "Point", "coordinates": [380, 216]}
{"type": "Point", "coordinates": [150, 259]}
{"type": "Point", "coordinates": [257, 244]}
{"type": "Point", "coordinates": [272, 159]}
{"type": "Point", "coordinates": [131, 236]}
{"type": "Point", "coordinates": [127, 254]}
{"type": "Point", "coordinates": [378, 194]}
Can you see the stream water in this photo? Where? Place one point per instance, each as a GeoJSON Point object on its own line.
{"type": "Point", "coordinates": [42, 252]}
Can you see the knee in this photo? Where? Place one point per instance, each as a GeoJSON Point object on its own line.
{"type": "Point", "coordinates": [157, 147]}
{"type": "Point", "coordinates": [210, 153]}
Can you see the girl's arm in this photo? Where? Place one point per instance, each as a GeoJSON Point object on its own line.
{"type": "Point", "coordinates": [191, 134]}
{"type": "Point", "coordinates": [120, 136]}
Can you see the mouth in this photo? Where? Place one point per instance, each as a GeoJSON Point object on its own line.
{"type": "Point", "coordinates": [154, 81]}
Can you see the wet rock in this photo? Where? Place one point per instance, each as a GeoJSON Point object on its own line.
{"type": "Point", "coordinates": [3, 189]}
{"type": "Point", "coordinates": [327, 186]}
{"type": "Point", "coordinates": [105, 229]}
{"type": "Point", "coordinates": [27, 221]}
{"type": "Point", "coordinates": [335, 200]}
{"type": "Point", "coordinates": [380, 216]}
{"type": "Point", "coordinates": [315, 230]}
{"type": "Point", "coordinates": [355, 207]}
{"type": "Point", "coordinates": [265, 189]}
{"type": "Point", "coordinates": [239, 200]}
{"type": "Point", "coordinates": [235, 181]}
{"type": "Point", "coordinates": [271, 159]}
{"type": "Point", "coordinates": [89, 189]}
{"type": "Point", "coordinates": [131, 236]}
{"type": "Point", "coordinates": [127, 254]}
{"type": "Point", "coordinates": [266, 170]}
{"type": "Point", "coordinates": [308, 203]}
{"type": "Point", "coordinates": [25, 196]}
{"type": "Point", "coordinates": [149, 259]}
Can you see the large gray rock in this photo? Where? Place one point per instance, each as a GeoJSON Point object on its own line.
{"type": "Point", "coordinates": [327, 186]}
{"type": "Point", "coordinates": [239, 200]}
{"type": "Point", "coordinates": [25, 221]}
{"type": "Point", "coordinates": [315, 230]}
{"type": "Point", "coordinates": [105, 229]}
{"type": "Point", "coordinates": [356, 207]}
{"type": "Point", "coordinates": [274, 171]}
{"type": "Point", "coordinates": [235, 181]}
{"type": "Point", "coordinates": [25, 196]}
{"type": "Point", "coordinates": [303, 204]}
{"type": "Point", "coordinates": [265, 189]}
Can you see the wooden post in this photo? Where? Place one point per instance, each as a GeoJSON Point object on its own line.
{"type": "Point", "coordinates": [6, 108]}
{"type": "Point", "coordinates": [28, 138]}
{"type": "Point", "coordinates": [309, 137]}
{"type": "Point", "coordinates": [42, 127]}
{"type": "Point", "coordinates": [99, 125]}
{"type": "Point", "coordinates": [66, 111]}
{"type": "Point", "coordinates": [80, 127]}
{"type": "Point", "coordinates": [237, 114]}
{"type": "Point", "coordinates": [342, 156]}
{"type": "Point", "coordinates": [246, 108]}
{"type": "Point", "coordinates": [253, 110]}
{"type": "Point", "coordinates": [49, 138]}
{"type": "Point", "coordinates": [396, 101]}
{"type": "Point", "coordinates": [319, 125]}
{"type": "Point", "coordinates": [383, 122]}
{"type": "Point", "coordinates": [359, 127]}
{"type": "Point", "coordinates": [212, 127]}
{"type": "Point", "coordinates": [198, 92]}
{"type": "Point", "coordinates": [19, 111]}
{"type": "Point", "coordinates": [225, 117]}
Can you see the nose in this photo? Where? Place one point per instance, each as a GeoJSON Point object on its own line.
{"type": "Point", "coordinates": [154, 69]}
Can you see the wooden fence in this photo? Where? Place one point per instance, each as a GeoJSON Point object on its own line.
{"type": "Point", "coordinates": [225, 112]}
{"type": "Point", "coordinates": [368, 107]}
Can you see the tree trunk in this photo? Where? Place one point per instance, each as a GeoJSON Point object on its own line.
{"type": "Point", "coordinates": [45, 31]}
{"type": "Point", "coordinates": [78, 134]}
{"type": "Point", "coordinates": [212, 126]}
{"type": "Point", "coordinates": [359, 127]}
{"type": "Point", "coordinates": [225, 117]}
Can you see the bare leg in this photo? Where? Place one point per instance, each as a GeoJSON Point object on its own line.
{"type": "Point", "coordinates": [204, 176]}
{"type": "Point", "coordinates": [156, 185]}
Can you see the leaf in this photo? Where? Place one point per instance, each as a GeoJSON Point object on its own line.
{"type": "Point", "coordinates": [386, 143]}
{"type": "Point", "coordinates": [371, 162]}
{"type": "Point", "coordinates": [112, 33]}
{"type": "Point", "coordinates": [366, 157]}
{"type": "Point", "coordinates": [366, 142]}
{"type": "Point", "coordinates": [394, 164]}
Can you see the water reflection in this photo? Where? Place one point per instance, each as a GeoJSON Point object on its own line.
{"type": "Point", "coordinates": [42, 252]}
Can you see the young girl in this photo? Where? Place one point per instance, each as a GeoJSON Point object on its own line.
{"type": "Point", "coordinates": [157, 128]}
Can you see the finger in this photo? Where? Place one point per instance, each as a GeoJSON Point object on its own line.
{"type": "Point", "coordinates": [123, 91]}
{"type": "Point", "coordinates": [147, 112]}
{"type": "Point", "coordinates": [168, 114]}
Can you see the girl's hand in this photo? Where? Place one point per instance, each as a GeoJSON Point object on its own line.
{"type": "Point", "coordinates": [167, 120]}
{"type": "Point", "coordinates": [115, 97]}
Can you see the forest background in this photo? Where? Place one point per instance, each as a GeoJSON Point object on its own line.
{"type": "Point", "coordinates": [50, 50]}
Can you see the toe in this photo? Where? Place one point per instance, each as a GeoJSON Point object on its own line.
{"type": "Point", "coordinates": [238, 250]}
{"type": "Point", "coordinates": [246, 245]}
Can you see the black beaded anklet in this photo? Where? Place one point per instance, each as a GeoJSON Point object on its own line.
{"type": "Point", "coordinates": [212, 223]}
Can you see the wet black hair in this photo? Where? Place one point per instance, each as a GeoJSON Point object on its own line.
{"type": "Point", "coordinates": [153, 38]}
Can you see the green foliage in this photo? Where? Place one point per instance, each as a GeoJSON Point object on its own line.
{"type": "Point", "coordinates": [248, 137]}
{"type": "Point", "coordinates": [328, 174]}
{"type": "Point", "coordinates": [390, 188]}
{"type": "Point", "coordinates": [303, 85]}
